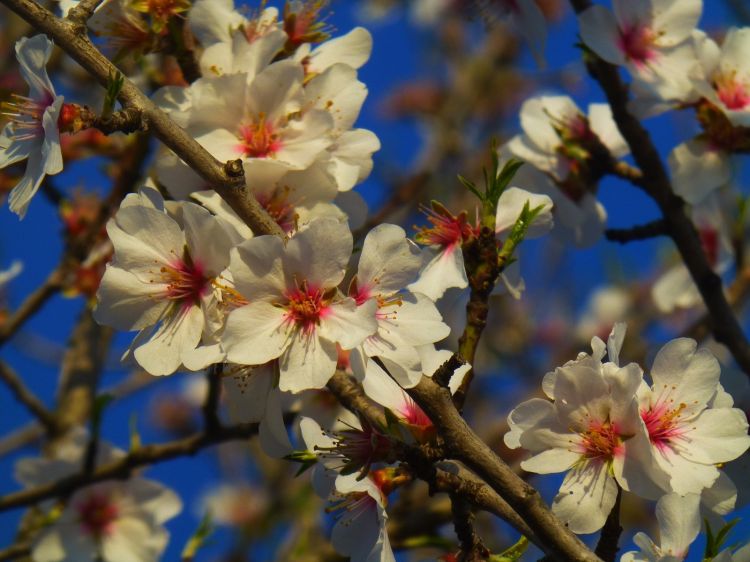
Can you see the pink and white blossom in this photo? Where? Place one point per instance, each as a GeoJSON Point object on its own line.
{"type": "Point", "coordinates": [638, 33]}
{"type": "Point", "coordinates": [165, 281]}
{"type": "Point", "coordinates": [32, 132]}
{"type": "Point", "coordinates": [295, 312]}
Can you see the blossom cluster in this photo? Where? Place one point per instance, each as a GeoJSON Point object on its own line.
{"type": "Point", "coordinates": [276, 318]}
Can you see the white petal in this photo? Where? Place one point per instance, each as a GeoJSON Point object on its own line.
{"type": "Point", "coordinates": [599, 32]}
{"type": "Point", "coordinates": [255, 334]}
{"type": "Point", "coordinates": [309, 362]}
{"type": "Point", "coordinates": [586, 497]}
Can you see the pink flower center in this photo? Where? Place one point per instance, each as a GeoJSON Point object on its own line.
{"type": "Point", "coordinates": [710, 241]}
{"type": "Point", "coordinates": [26, 115]}
{"type": "Point", "coordinates": [97, 513]}
{"type": "Point", "coordinates": [277, 205]}
{"type": "Point", "coordinates": [257, 139]}
{"type": "Point", "coordinates": [306, 307]}
{"type": "Point", "coordinates": [447, 230]}
{"type": "Point", "coordinates": [601, 441]}
{"type": "Point", "coordinates": [732, 92]}
{"type": "Point", "coordinates": [662, 423]}
{"type": "Point", "coordinates": [186, 281]}
{"type": "Point", "coordinates": [413, 414]}
{"type": "Point", "coordinates": [636, 41]}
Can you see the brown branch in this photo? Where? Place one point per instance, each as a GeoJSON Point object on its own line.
{"type": "Point", "coordinates": [646, 231]}
{"type": "Point", "coordinates": [122, 468]}
{"type": "Point", "coordinates": [609, 538]}
{"type": "Point", "coordinates": [211, 406]}
{"type": "Point", "coordinates": [482, 270]}
{"type": "Point", "coordinates": [351, 395]}
{"type": "Point", "coordinates": [472, 547]}
{"type": "Point", "coordinates": [31, 305]}
{"type": "Point", "coordinates": [26, 397]}
{"type": "Point", "coordinates": [626, 171]}
{"type": "Point", "coordinates": [227, 179]}
{"type": "Point", "coordinates": [461, 443]}
{"type": "Point", "coordinates": [18, 550]}
{"type": "Point", "coordinates": [656, 183]}
{"type": "Point", "coordinates": [81, 12]}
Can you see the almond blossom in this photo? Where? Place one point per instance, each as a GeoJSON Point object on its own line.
{"type": "Point", "coordinates": [638, 33]}
{"type": "Point", "coordinates": [387, 264]}
{"type": "Point", "coordinates": [592, 430]}
{"type": "Point", "coordinates": [32, 133]}
{"type": "Point", "coordinates": [295, 312]}
{"type": "Point", "coordinates": [111, 521]}
{"type": "Point", "coordinates": [689, 429]}
{"type": "Point", "coordinates": [679, 525]}
{"type": "Point", "coordinates": [675, 289]}
{"type": "Point", "coordinates": [165, 281]}
{"type": "Point", "coordinates": [572, 150]}
{"type": "Point", "coordinates": [443, 260]}
{"type": "Point", "coordinates": [359, 502]}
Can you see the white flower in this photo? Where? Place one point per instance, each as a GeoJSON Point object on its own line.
{"type": "Point", "coordinates": [605, 306]}
{"type": "Point", "coordinates": [387, 264]}
{"type": "Point", "coordinates": [235, 505]}
{"type": "Point", "coordinates": [740, 555]}
{"type": "Point", "coordinates": [679, 525]}
{"type": "Point", "coordinates": [443, 260]}
{"type": "Point", "coordinates": [165, 281]}
{"type": "Point", "coordinates": [724, 79]}
{"type": "Point", "coordinates": [32, 133]}
{"type": "Point", "coordinates": [233, 43]}
{"type": "Point", "coordinates": [360, 531]}
{"type": "Point", "coordinates": [675, 288]}
{"type": "Point", "coordinates": [565, 144]}
{"type": "Point", "coordinates": [688, 432]}
{"type": "Point", "coordinates": [7, 275]}
{"type": "Point", "coordinates": [698, 168]}
{"type": "Point", "coordinates": [639, 33]}
{"type": "Point", "coordinates": [295, 312]}
{"type": "Point", "coordinates": [113, 521]}
{"type": "Point", "coordinates": [253, 396]}
{"type": "Point", "coordinates": [592, 430]}
{"type": "Point", "coordinates": [67, 459]}
{"type": "Point", "coordinates": [352, 49]}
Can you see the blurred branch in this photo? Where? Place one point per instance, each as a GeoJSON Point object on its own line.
{"type": "Point", "coordinates": [31, 305]}
{"type": "Point", "coordinates": [656, 183]}
{"type": "Point", "coordinates": [651, 229]}
{"type": "Point", "coordinates": [15, 551]}
{"type": "Point", "coordinates": [123, 468]}
{"type": "Point", "coordinates": [26, 397]}
{"type": "Point", "coordinates": [211, 406]}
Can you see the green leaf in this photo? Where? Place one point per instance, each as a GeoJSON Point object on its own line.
{"type": "Point", "coordinates": [513, 553]}
{"type": "Point", "coordinates": [114, 85]}
{"type": "Point", "coordinates": [471, 187]}
{"type": "Point", "coordinates": [199, 538]}
{"type": "Point", "coordinates": [715, 543]}
{"type": "Point", "coordinates": [307, 459]}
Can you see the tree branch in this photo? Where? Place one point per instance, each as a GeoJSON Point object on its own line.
{"type": "Point", "coordinates": [461, 443]}
{"type": "Point", "coordinates": [609, 538]}
{"type": "Point", "coordinates": [656, 183]}
{"type": "Point", "coordinates": [26, 397]}
{"type": "Point", "coordinates": [122, 468]}
{"type": "Point", "coordinates": [33, 303]}
{"type": "Point", "coordinates": [651, 229]}
{"type": "Point", "coordinates": [227, 179]}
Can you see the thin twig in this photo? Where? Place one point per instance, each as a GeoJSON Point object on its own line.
{"type": "Point", "coordinates": [646, 231]}
{"type": "Point", "coordinates": [26, 397]}
{"type": "Point", "coordinates": [82, 11]}
{"type": "Point", "coordinates": [31, 305]}
{"type": "Point", "coordinates": [609, 538]}
{"type": "Point", "coordinates": [15, 551]}
{"type": "Point", "coordinates": [472, 547]}
{"type": "Point", "coordinates": [211, 406]}
{"type": "Point", "coordinates": [122, 468]}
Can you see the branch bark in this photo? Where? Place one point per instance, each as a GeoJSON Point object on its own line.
{"type": "Point", "coordinates": [26, 397]}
